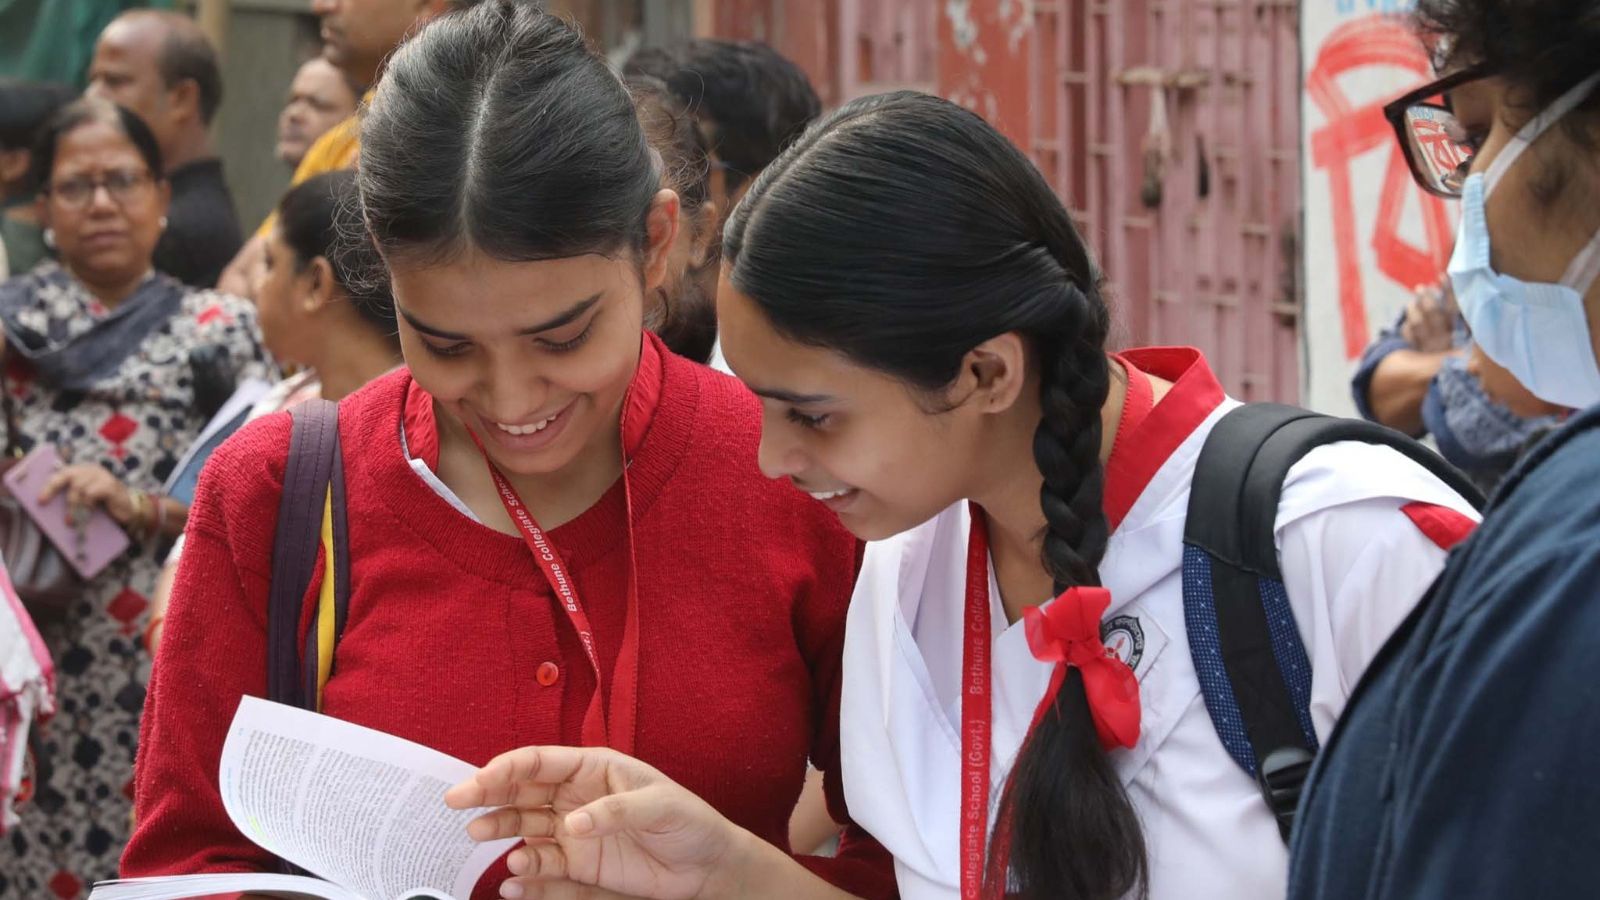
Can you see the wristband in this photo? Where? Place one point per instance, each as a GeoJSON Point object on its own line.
{"type": "Point", "coordinates": [150, 632]}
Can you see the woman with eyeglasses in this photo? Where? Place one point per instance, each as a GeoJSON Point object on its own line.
{"type": "Point", "coordinates": [111, 364]}
{"type": "Point", "coordinates": [1465, 766]}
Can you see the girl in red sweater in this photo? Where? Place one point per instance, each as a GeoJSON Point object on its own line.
{"type": "Point", "coordinates": [507, 183]}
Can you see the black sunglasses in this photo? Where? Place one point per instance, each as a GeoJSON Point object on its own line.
{"type": "Point", "coordinates": [1429, 135]}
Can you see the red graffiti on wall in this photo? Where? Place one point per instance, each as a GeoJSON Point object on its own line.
{"type": "Point", "coordinates": [1351, 131]}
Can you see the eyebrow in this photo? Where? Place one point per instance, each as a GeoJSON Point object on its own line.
{"type": "Point", "coordinates": [790, 396]}
{"type": "Point", "coordinates": [572, 314]}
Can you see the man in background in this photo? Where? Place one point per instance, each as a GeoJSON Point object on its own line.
{"type": "Point", "coordinates": [357, 36]}
{"type": "Point", "coordinates": [161, 66]}
{"type": "Point", "coordinates": [749, 99]}
{"type": "Point", "coordinates": [320, 97]}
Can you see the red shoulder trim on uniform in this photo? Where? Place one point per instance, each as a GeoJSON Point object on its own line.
{"type": "Point", "coordinates": [1442, 525]}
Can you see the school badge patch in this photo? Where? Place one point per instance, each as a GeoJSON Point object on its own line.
{"type": "Point", "coordinates": [1124, 637]}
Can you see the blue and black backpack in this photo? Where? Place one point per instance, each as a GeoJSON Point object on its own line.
{"type": "Point", "coordinates": [1254, 672]}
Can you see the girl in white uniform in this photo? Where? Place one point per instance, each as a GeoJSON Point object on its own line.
{"type": "Point", "coordinates": [927, 332]}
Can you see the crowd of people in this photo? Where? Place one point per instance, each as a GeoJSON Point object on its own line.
{"type": "Point", "coordinates": [755, 494]}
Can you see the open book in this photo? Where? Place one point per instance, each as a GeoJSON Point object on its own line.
{"type": "Point", "coordinates": [361, 809]}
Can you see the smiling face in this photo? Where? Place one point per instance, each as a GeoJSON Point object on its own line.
{"type": "Point", "coordinates": [884, 456]}
{"type": "Point", "coordinates": [532, 357]}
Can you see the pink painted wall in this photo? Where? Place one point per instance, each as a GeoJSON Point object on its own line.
{"type": "Point", "coordinates": [1196, 224]}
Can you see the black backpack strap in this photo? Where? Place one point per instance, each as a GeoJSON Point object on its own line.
{"type": "Point", "coordinates": [333, 602]}
{"type": "Point", "coordinates": [1254, 672]}
{"type": "Point", "coordinates": [313, 474]}
{"type": "Point", "coordinates": [1243, 465]}
{"type": "Point", "coordinates": [313, 459]}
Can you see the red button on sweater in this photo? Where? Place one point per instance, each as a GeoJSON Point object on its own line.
{"type": "Point", "coordinates": [743, 588]}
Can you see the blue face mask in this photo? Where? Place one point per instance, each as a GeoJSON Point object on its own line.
{"type": "Point", "coordinates": [1538, 332]}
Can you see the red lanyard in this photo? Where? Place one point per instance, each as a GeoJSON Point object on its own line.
{"type": "Point", "coordinates": [976, 695]}
{"type": "Point", "coordinates": [975, 711]}
{"type": "Point", "coordinates": [599, 730]}
{"type": "Point", "coordinates": [615, 730]}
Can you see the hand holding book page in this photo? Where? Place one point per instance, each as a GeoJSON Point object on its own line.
{"type": "Point", "coordinates": [359, 808]}
{"type": "Point", "coordinates": [593, 816]}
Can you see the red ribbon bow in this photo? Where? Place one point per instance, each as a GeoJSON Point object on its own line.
{"type": "Point", "coordinates": [1067, 632]}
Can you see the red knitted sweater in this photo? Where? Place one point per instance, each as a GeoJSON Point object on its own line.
{"type": "Point", "coordinates": [743, 584]}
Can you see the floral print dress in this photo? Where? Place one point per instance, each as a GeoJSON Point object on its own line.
{"type": "Point", "coordinates": [136, 423]}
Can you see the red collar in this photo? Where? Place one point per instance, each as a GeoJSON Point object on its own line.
{"type": "Point", "coordinates": [1143, 446]}
{"type": "Point", "coordinates": [644, 394]}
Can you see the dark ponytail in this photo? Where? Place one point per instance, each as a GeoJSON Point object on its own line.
{"type": "Point", "coordinates": [321, 216]}
{"type": "Point", "coordinates": [901, 232]}
{"type": "Point", "coordinates": [687, 317]}
{"type": "Point", "coordinates": [498, 128]}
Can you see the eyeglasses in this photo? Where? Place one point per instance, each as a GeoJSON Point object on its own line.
{"type": "Point", "coordinates": [120, 184]}
{"type": "Point", "coordinates": [1434, 142]}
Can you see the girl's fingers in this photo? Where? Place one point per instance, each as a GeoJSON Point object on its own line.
{"type": "Point", "coordinates": [471, 794]}
{"type": "Point", "coordinates": [641, 810]}
{"type": "Point", "coordinates": [511, 821]}
{"type": "Point", "coordinates": [560, 889]}
{"type": "Point", "coordinates": [468, 794]}
{"type": "Point", "coordinates": [533, 865]}
{"type": "Point", "coordinates": [497, 783]}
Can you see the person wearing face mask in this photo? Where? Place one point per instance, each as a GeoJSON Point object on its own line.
{"type": "Point", "coordinates": [557, 528]}
{"type": "Point", "coordinates": [1464, 767]}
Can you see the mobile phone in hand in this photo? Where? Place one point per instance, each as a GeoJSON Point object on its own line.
{"type": "Point", "coordinates": [88, 545]}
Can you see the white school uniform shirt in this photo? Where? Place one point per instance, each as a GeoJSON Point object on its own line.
{"type": "Point", "coordinates": [1354, 563]}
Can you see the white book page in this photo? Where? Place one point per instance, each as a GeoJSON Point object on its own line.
{"type": "Point", "coordinates": [182, 887]}
{"type": "Point", "coordinates": [358, 807]}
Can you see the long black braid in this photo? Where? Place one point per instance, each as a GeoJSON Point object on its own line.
{"type": "Point", "coordinates": [901, 232]}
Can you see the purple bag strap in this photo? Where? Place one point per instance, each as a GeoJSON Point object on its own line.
{"type": "Point", "coordinates": [312, 464]}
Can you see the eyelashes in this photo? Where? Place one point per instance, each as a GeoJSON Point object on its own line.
{"type": "Point", "coordinates": [453, 351]}
{"type": "Point", "coordinates": [805, 421]}
{"type": "Point", "coordinates": [449, 352]}
{"type": "Point", "coordinates": [570, 345]}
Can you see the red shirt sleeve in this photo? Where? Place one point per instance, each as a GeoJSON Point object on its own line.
{"type": "Point", "coordinates": [215, 625]}
{"type": "Point", "coordinates": [862, 867]}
